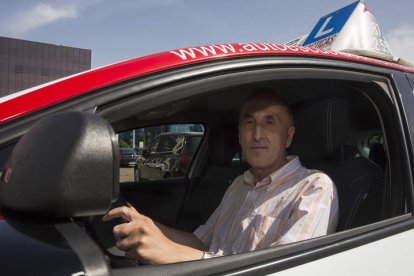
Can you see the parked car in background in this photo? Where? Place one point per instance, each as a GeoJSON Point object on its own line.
{"type": "Point", "coordinates": [138, 151]}
{"type": "Point", "coordinates": [127, 157]}
{"type": "Point", "coordinates": [168, 155]}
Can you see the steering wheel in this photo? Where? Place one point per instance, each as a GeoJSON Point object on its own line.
{"type": "Point", "coordinates": [101, 232]}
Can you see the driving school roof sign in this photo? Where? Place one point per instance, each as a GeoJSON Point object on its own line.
{"type": "Point", "coordinates": [329, 25]}
{"type": "Point", "coordinates": [352, 28]}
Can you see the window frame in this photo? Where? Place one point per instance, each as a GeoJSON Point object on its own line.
{"type": "Point", "coordinates": [351, 238]}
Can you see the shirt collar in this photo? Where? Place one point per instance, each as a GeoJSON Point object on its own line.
{"type": "Point", "coordinates": [277, 177]}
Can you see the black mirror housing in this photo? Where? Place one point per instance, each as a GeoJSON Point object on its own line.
{"type": "Point", "coordinates": [65, 166]}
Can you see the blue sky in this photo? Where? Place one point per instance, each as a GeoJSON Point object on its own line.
{"type": "Point", "coordinates": [123, 29]}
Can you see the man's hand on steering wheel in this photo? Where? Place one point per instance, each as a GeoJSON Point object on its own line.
{"type": "Point", "coordinates": [142, 239]}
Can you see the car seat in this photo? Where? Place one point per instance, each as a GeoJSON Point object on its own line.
{"type": "Point", "coordinates": [207, 193]}
{"type": "Point", "coordinates": [377, 155]}
{"type": "Point", "coordinates": [322, 126]}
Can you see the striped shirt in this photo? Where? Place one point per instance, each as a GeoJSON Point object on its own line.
{"type": "Point", "coordinates": [291, 204]}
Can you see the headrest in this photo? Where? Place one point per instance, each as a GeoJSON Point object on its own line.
{"type": "Point", "coordinates": [223, 144]}
{"type": "Point", "coordinates": [321, 127]}
{"type": "Point", "coordinates": [66, 165]}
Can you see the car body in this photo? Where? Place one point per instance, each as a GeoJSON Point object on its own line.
{"type": "Point", "coordinates": [127, 156]}
{"type": "Point", "coordinates": [344, 106]}
{"type": "Point", "coordinates": [168, 155]}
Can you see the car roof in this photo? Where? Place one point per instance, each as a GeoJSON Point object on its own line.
{"type": "Point", "coordinates": [33, 99]}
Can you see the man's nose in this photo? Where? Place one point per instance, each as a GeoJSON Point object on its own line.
{"type": "Point", "coordinates": [257, 132]}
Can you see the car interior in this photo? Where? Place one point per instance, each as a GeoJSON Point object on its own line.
{"type": "Point", "coordinates": [344, 127]}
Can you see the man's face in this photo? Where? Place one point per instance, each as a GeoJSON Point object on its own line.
{"type": "Point", "coordinates": [265, 132]}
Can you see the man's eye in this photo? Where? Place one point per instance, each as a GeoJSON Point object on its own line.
{"type": "Point", "coordinates": [270, 122]}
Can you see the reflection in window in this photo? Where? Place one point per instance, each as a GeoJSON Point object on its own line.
{"type": "Point", "coordinates": [162, 151]}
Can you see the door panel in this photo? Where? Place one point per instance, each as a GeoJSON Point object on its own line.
{"type": "Point", "coordinates": [389, 256]}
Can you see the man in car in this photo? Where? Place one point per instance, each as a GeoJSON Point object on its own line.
{"type": "Point", "coordinates": [277, 201]}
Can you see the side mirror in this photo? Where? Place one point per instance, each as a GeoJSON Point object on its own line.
{"type": "Point", "coordinates": [65, 166]}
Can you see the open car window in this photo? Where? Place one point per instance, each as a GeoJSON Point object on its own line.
{"type": "Point", "coordinates": [344, 127]}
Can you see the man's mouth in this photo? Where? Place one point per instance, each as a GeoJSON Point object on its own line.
{"type": "Point", "coordinates": [258, 147]}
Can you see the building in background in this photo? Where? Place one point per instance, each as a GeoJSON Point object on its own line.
{"type": "Point", "coordinates": [24, 64]}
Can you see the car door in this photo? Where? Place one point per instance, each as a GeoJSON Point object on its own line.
{"type": "Point", "coordinates": [330, 254]}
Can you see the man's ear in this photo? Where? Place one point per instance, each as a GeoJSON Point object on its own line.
{"type": "Point", "coordinates": [291, 133]}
